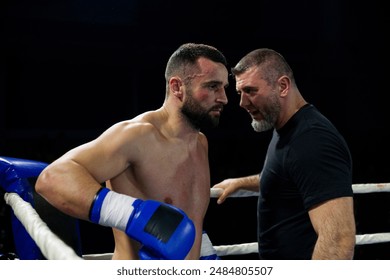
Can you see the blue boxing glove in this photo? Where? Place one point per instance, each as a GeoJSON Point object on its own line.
{"type": "Point", "coordinates": [207, 250]}
{"type": "Point", "coordinates": [164, 231]}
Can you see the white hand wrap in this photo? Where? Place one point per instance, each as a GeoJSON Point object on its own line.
{"type": "Point", "coordinates": [111, 209]}
{"type": "Point", "coordinates": [116, 210]}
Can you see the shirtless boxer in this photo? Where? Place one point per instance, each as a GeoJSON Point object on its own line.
{"type": "Point", "coordinates": [159, 155]}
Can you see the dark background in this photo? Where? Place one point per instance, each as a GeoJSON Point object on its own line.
{"type": "Point", "coordinates": [70, 69]}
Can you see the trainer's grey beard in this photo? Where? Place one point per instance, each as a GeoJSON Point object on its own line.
{"type": "Point", "coordinates": [270, 114]}
{"type": "Point", "coordinates": [260, 126]}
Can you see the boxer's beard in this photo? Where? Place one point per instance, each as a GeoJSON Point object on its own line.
{"type": "Point", "coordinates": [197, 116]}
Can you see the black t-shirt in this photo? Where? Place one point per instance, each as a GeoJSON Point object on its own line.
{"type": "Point", "coordinates": [307, 162]}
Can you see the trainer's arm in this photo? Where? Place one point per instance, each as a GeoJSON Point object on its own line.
{"type": "Point", "coordinates": [229, 186]}
{"type": "Point", "coordinates": [334, 223]}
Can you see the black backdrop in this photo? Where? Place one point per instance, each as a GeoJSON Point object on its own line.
{"type": "Point", "coordinates": [70, 69]}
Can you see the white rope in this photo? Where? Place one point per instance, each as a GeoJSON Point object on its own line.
{"type": "Point", "coordinates": [370, 188]}
{"type": "Point", "coordinates": [216, 192]}
{"type": "Point", "coordinates": [104, 256]}
{"type": "Point", "coordinates": [373, 238]}
{"type": "Point", "coordinates": [357, 188]}
{"type": "Point", "coordinates": [51, 246]}
{"type": "Point", "coordinates": [248, 248]}
{"type": "Point", "coordinates": [237, 249]}
{"type": "Point", "coordinates": [46, 239]}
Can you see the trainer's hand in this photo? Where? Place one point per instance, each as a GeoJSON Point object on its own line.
{"type": "Point", "coordinates": [228, 186]}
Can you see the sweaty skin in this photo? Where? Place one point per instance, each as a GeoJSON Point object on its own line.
{"type": "Point", "coordinates": [162, 173]}
{"type": "Point", "coordinates": [157, 155]}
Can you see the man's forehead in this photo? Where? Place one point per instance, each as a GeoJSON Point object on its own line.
{"type": "Point", "coordinates": [207, 67]}
{"type": "Point", "coordinates": [251, 76]}
{"type": "Point", "coordinates": [250, 72]}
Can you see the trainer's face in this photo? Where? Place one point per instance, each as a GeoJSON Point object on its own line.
{"type": "Point", "coordinates": [259, 99]}
{"type": "Point", "coordinates": [205, 95]}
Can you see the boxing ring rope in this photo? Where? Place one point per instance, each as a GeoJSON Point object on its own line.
{"type": "Point", "coordinates": [53, 248]}
{"type": "Point", "coordinates": [357, 189]}
{"type": "Point", "coordinates": [361, 239]}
